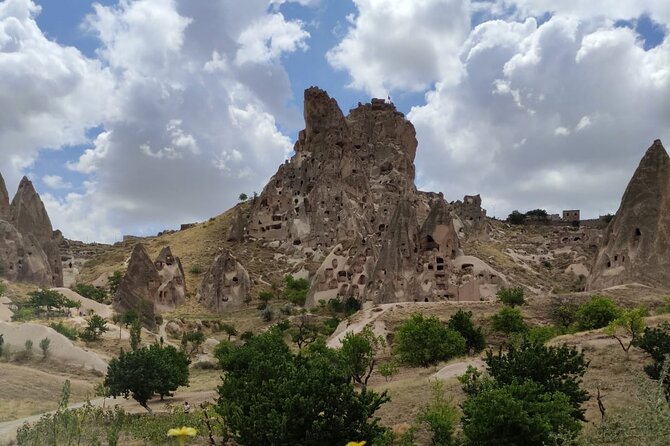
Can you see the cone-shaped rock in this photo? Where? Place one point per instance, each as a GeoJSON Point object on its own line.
{"type": "Point", "coordinates": [139, 287]}
{"type": "Point", "coordinates": [226, 284]}
{"type": "Point", "coordinates": [4, 201]}
{"type": "Point", "coordinates": [637, 241]}
{"type": "Point", "coordinates": [172, 291]}
{"type": "Point", "coordinates": [22, 258]}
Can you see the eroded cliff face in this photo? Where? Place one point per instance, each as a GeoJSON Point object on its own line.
{"type": "Point", "coordinates": [637, 241]}
{"type": "Point", "coordinates": [226, 283]}
{"type": "Point", "coordinates": [347, 199]}
{"type": "Point", "coordinates": [29, 247]}
{"type": "Point", "coordinates": [150, 287]}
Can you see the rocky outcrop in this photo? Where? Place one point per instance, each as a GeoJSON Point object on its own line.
{"type": "Point", "coordinates": [138, 289]}
{"type": "Point", "coordinates": [237, 228]}
{"type": "Point", "coordinates": [637, 240]}
{"type": "Point", "coordinates": [471, 218]}
{"type": "Point", "coordinates": [348, 196]}
{"type": "Point", "coordinates": [151, 287]}
{"type": "Point", "coordinates": [29, 248]}
{"type": "Point", "coordinates": [4, 200]}
{"type": "Point", "coordinates": [172, 291]}
{"type": "Point", "coordinates": [226, 283]}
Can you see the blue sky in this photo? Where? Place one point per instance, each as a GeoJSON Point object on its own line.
{"type": "Point", "coordinates": [123, 112]}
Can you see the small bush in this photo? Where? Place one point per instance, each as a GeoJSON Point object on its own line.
{"type": "Point", "coordinates": [543, 334]}
{"type": "Point", "coordinates": [44, 346]}
{"type": "Point", "coordinates": [90, 292]}
{"type": "Point", "coordinates": [441, 417]}
{"type": "Point", "coordinates": [563, 312]}
{"type": "Point", "coordinates": [508, 320]}
{"type": "Point", "coordinates": [295, 290]}
{"type": "Point", "coordinates": [597, 313]}
{"type": "Point", "coordinates": [424, 341]}
{"type": "Point", "coordinates": [461, 321]}
{"type": "Point", "coordinates": [206, 365]}
{"type": "Point", "coordinates": [69, 332]}
{"type": "Point", "coordinates": [330, 325]}
{"type": "Point", "coordinates": [23, 314]}
{"type": "Point", "coordinates": [388, 369]}
{"type": "Point", "coordinates": [267, 314]}
{"type": "Point", "coordinates": [196, 269]}
{"type": "Point", "coordinates": [511, 296]}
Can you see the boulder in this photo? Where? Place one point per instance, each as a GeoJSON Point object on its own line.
{"type": "Point", "coordinates": [225, 285]}
{"type": "Point", "coordinates": [637, 240]}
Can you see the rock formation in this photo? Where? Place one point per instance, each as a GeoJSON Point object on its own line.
{"type": "Point", "coordinates": [637, 240]}
{"type": "Point", "coordinates": [348, 196]}
{"type": "Point", "coordinates": [226, 283]}
{"type": "Point", "coordinates": [151, 287]}
{"type": "Point", "coordinates": [237, 228]}
{"type": "Point", "coordinates": [29, 247]}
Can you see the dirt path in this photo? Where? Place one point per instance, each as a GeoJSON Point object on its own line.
{"type": "Point", "coordinates": [8, 429]}
{"type": "Point", "coordinates": [368, 315]}
{"type": "Point", "coordinates": [457, 368]}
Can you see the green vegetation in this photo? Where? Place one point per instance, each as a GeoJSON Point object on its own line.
{"type": "Point", "coordinates": [441, 417]}
{"type": "Point", "coordinates": [630, 324]}
{"type": "Point", "coordinates": [243, 197]}
{"type": "Point", "coordinates": [537, 388]}
{"type": "Point", "coordinates": [67, 331]}
{"type": "Point", "coordinates": [597, 313]}
{"type": "Point", "coordinates": [511, 296]}
{"type": "Point", "coordinates": [94, 330]}
{"type": "Point", "coordinates": [516, 218]}
{"type": "Point", "coordinates": [44, 301]}
{"type": "Point", "coordinates": [388, 369]}
{"type": "Point", "coordinates": [135, 333]}
{"type": "Point", "coordinates": [45, 343]}
{"type": "Point", "coordinates": [191, 342]}
{"type": "Point", "coordinates": [424, 341]}
{"type": "Point", "coordinates": [509, 320]}
{"type": "Point", "coordinates": [359, 353]}
{"type": "Point", "coordinates": [196, 270]}
{"type": "Point", "coordinates": [461, 322]}
{"type": "Point", "coordinates": [114, 281]}
{"type": "Point", "coordinates": [90, 292]}
{"type": "Point", "coordinates": [295, 290]}
{"type": "Point", "coordinates": [270, 395]}
{"type": "Point", "coordinates": [147, 371]}
{"type": "Point", "coordinates": [346, 307]}
{"type": "Point", "coordinates": [656, 342]}
{"type": "Point", "coordinates": [229, 329]}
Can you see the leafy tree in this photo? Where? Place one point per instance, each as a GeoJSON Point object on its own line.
{"type": "Point", "coordinates": [95, 328]}
{"type": "Point", "coordinates": [563, 312]}
{"type": "Point", "coordinates": [302, 331]}
{"type": "Point", "coordinates": [243, 197]}
{"type": "Point", "coordinates": [229, 329]}
{"type": "Point", "coordinates": [511, 296]}
{"type": "Point", "coordinates": [441, 417]}
{"type": "Point", "coordinates": [517, 414]}
{"type": "Point", "coordinates": [516, 218]}
{"type": "Point", "coordinates": [147, 371]}
{"type": "Point", "coordinates": [388, 369]}
{"type": "Point", "coordinates": [135, 334]}
{"type": "Point", "coordinates": [359, 351]}
{"type": "Point", "coordinates": [114, 281]}
{"type": "Point", "coordinates": [597, 313]}
{"type": "Point", "coordinates": [538, 214]}
{"type": "Point", "coordinates": [272, 396]}
{"type": "Point", "coordinates": [508, 320]}
{"type": "Point", "coordinates": [424, 341]}
{"type": "Point", "coordinates": [45, 343]}
{"type": "Point", "coordinates": [629, 324]}
{"type": "Point", "coordinates": [50, 300]}
{"type": "Point", "coordinates": [195, 339]}
{"type": "Point", "coordinates": [461, 321]}
{"type": "Point", "coordinates": [656, 342]}
{"type": "Point", "coordinates": [90, 292]}
{"type": "Point", "coordinates": [556, 369]}
{"type": "Point", "coordinates": [295, 290]}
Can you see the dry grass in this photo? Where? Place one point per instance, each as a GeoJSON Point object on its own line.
{"type": "Point", "coordinates": [27, 391]}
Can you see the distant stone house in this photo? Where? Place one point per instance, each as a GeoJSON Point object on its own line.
{"type": "Point", "coordinates": [571, 215]}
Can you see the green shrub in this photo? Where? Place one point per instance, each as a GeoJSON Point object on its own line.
{"type": "Point", "coordinates": [358, 353]}
{"type": "Point", "coordinates": [542, 334]}
{"type": "Point", "coordinates": [267, 314]}
{"type": "Point", "coordinates": [388, 369]}
{"type": "Point", "coordinates": [196, 270]}
{"type": "Point", "coordinates": [461, 321]}
{"type": "Point", "coordinates": [206, 365]}
{"type": "Point", "coordinates": [330, 325]}
{"type": "Point", "coordinates": [295, 290]}
{"type": "Point", "coordinates": [441, 417]}
{"type": "Point", "coordinates": [508, 320]}
{"type": "Point", "coordinates": [45, 343]}
{"type": "Point", "coordinates": [511, 296]}
{"type": "Point", "coordinates": [563, 312]}
{"type": "Point", "coordinates": [114, 281]}
{"type": "Point", "coordinates": [424, 341]}
{"type": "Point", "coordinates": [597, 313]}
{"type": "Point", "coordinates": [90, 292]}
{"type": "Point", "coordinates": [69, 332]}
{"type": "Point", "coordinates": [656, 342]}
{"type": "Point", "coordinates": [23, 314]}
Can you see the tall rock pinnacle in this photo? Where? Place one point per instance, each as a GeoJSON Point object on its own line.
{"type": "Point", "coordinates": [637, 240]}
{"type": "Point", "coordinates": [4, 201]}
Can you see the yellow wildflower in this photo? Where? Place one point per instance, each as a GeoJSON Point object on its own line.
{"type": "Point", "coordinates": [356, 443]}
{"type": "Point", "coordinates": [182, 433]}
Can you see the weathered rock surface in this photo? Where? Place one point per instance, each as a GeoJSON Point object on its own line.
{"type": "Point", "coordinates": [637, 241]}
{"type": "Point", "coordinates": [151, 287]}
{"type": "Point", "coordinates": [226, 283]}
{"type": "Point", "coordinates": [237, 228]}
{"type": "Point", "coordinates": [348, 194]}
{"type": "Point", "coordinates": [29, 248]}
{"type": "Point", "coordinates": [139, 287]}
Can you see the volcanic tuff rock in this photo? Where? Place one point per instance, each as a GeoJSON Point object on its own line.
{"type": "Point", "coordinates": [29, 248]}
{"type": "Point", "coordinates": [226, 283]}
{"type": "Point", "coordinates": [151, 287]}
{"type": "Point", "coordinates": [637, 240]}
{"type": "Point", "coordinates": [348, 195]}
